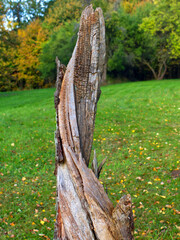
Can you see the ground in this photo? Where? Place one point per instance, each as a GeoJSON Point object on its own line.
{"type": "Point", "coordinates": [136, 129]}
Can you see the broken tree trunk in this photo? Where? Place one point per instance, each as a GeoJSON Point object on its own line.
{"type": "Point", "coordinates": [84, 211]}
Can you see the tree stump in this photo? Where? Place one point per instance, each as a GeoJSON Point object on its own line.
{"type": "Point", "coordinates": [84, 211]}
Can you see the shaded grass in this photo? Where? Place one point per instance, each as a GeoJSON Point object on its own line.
{"type": "Point", "coordinates": [136, 128]}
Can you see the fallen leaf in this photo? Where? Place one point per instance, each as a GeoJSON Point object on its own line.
{"type": "Point", "coordinates": [178, 227]}
{"type": "Point", "coordinates": [168, 206]}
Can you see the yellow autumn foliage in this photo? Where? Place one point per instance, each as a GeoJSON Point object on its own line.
{"type": "Point", "coordinates": [29, 49]}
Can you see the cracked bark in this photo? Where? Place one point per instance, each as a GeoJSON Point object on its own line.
{"type": "Point", "coordinates": [84, 211]}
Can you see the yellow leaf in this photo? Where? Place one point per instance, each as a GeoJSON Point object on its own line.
{"type": "Point", "coordinates": [157, 179]}
{"type": "Point", "coordinates": [42, 222]}
{"type": "Point", "coordinates": [168, 206]}
{"type": "Point", "coordinates": [163, 196]}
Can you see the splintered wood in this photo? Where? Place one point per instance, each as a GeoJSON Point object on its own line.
{"type": "Point", "coordinates": [88, 70]}
{"type": "Point", "coordinates": [84, 211]}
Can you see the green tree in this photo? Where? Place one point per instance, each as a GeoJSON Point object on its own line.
{"type": "Point", "coordinates": [60, 44]}
{"type": "Point", "coordinates": [126, 44]}
{"type": "Point", "coordinates": [162, 27]}
{"type": "Point", "coordinates": [61, 12]}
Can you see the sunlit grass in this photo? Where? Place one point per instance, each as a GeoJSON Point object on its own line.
{"type": "Point", "coordinates": [136, 129]}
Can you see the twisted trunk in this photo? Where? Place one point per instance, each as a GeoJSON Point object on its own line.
{"type": "Point", "coordinates": [161, 70]}
{"type": "Point", "coordinates": [84, 211]}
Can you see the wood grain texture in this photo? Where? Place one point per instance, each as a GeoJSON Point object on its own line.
{"type": "Point", "coordinates": [84, 211]}
{"type": "Point", "coordinates": [88, 72]}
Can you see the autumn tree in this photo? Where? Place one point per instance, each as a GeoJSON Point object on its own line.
{"type": "Point", "coordinates": [130, 6]}
{"type": "Point", "coordinates": [8, 43]}
{"type": "Point", "coordinates": [29, 50]}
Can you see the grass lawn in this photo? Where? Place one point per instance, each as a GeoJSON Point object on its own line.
{"type": "Point", "coordinates": [136, 129]}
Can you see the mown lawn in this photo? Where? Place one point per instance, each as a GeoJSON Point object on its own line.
{"type": "Point", "coordinates": [137, 128]}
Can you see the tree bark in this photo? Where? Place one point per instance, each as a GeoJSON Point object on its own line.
{"type": "Point", "coordinates": [84, 211]}
{"type": "Point", "coordinates": [161, 71]}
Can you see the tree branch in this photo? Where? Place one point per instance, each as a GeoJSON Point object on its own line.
{"type": "Point", "coordinates": [152, 70]}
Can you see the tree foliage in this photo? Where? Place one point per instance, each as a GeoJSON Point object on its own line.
{"type": "Point", "coordinates": [22, 12]}
{"type": "Point", "coordinates": [61, 12]}
{"type": "Point", "coordinates": [126, 42]}
{"type": "Point", "coordinates": [163, 28]}
{"type": "Point", "coordinates": [143, 39]}
{"type": "Point", "coordinates": [28, 52]}
{"type": "Point", "coordinates": [164, 24]}
{"type": "Point", "coordinates": [8, 43]}
{"type": "Point", "coordinates": [130, 6]}
{"type": "Point", "coordinates": [60, 44]}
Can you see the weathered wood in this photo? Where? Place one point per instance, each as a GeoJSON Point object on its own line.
{"type": "Point", "coordinates": [58, 144]}
{"type": "Point", "coordinates": [95, 168]}
{"type": "Point", "coordinates": [88, 71]}
{"type": "Point", "coordinates": [84, 211]}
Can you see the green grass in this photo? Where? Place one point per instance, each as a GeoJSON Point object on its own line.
{"type": "Point", "coordinates": [136, 129]}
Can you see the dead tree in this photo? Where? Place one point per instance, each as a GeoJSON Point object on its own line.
{"type": "Point", "coordinates": [84, 211]}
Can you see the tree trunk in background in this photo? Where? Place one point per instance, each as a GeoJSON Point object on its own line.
{"type": "Point", "coordinates": [162, 69]}
{"type": "Point", "coordinates": [84, 211]}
